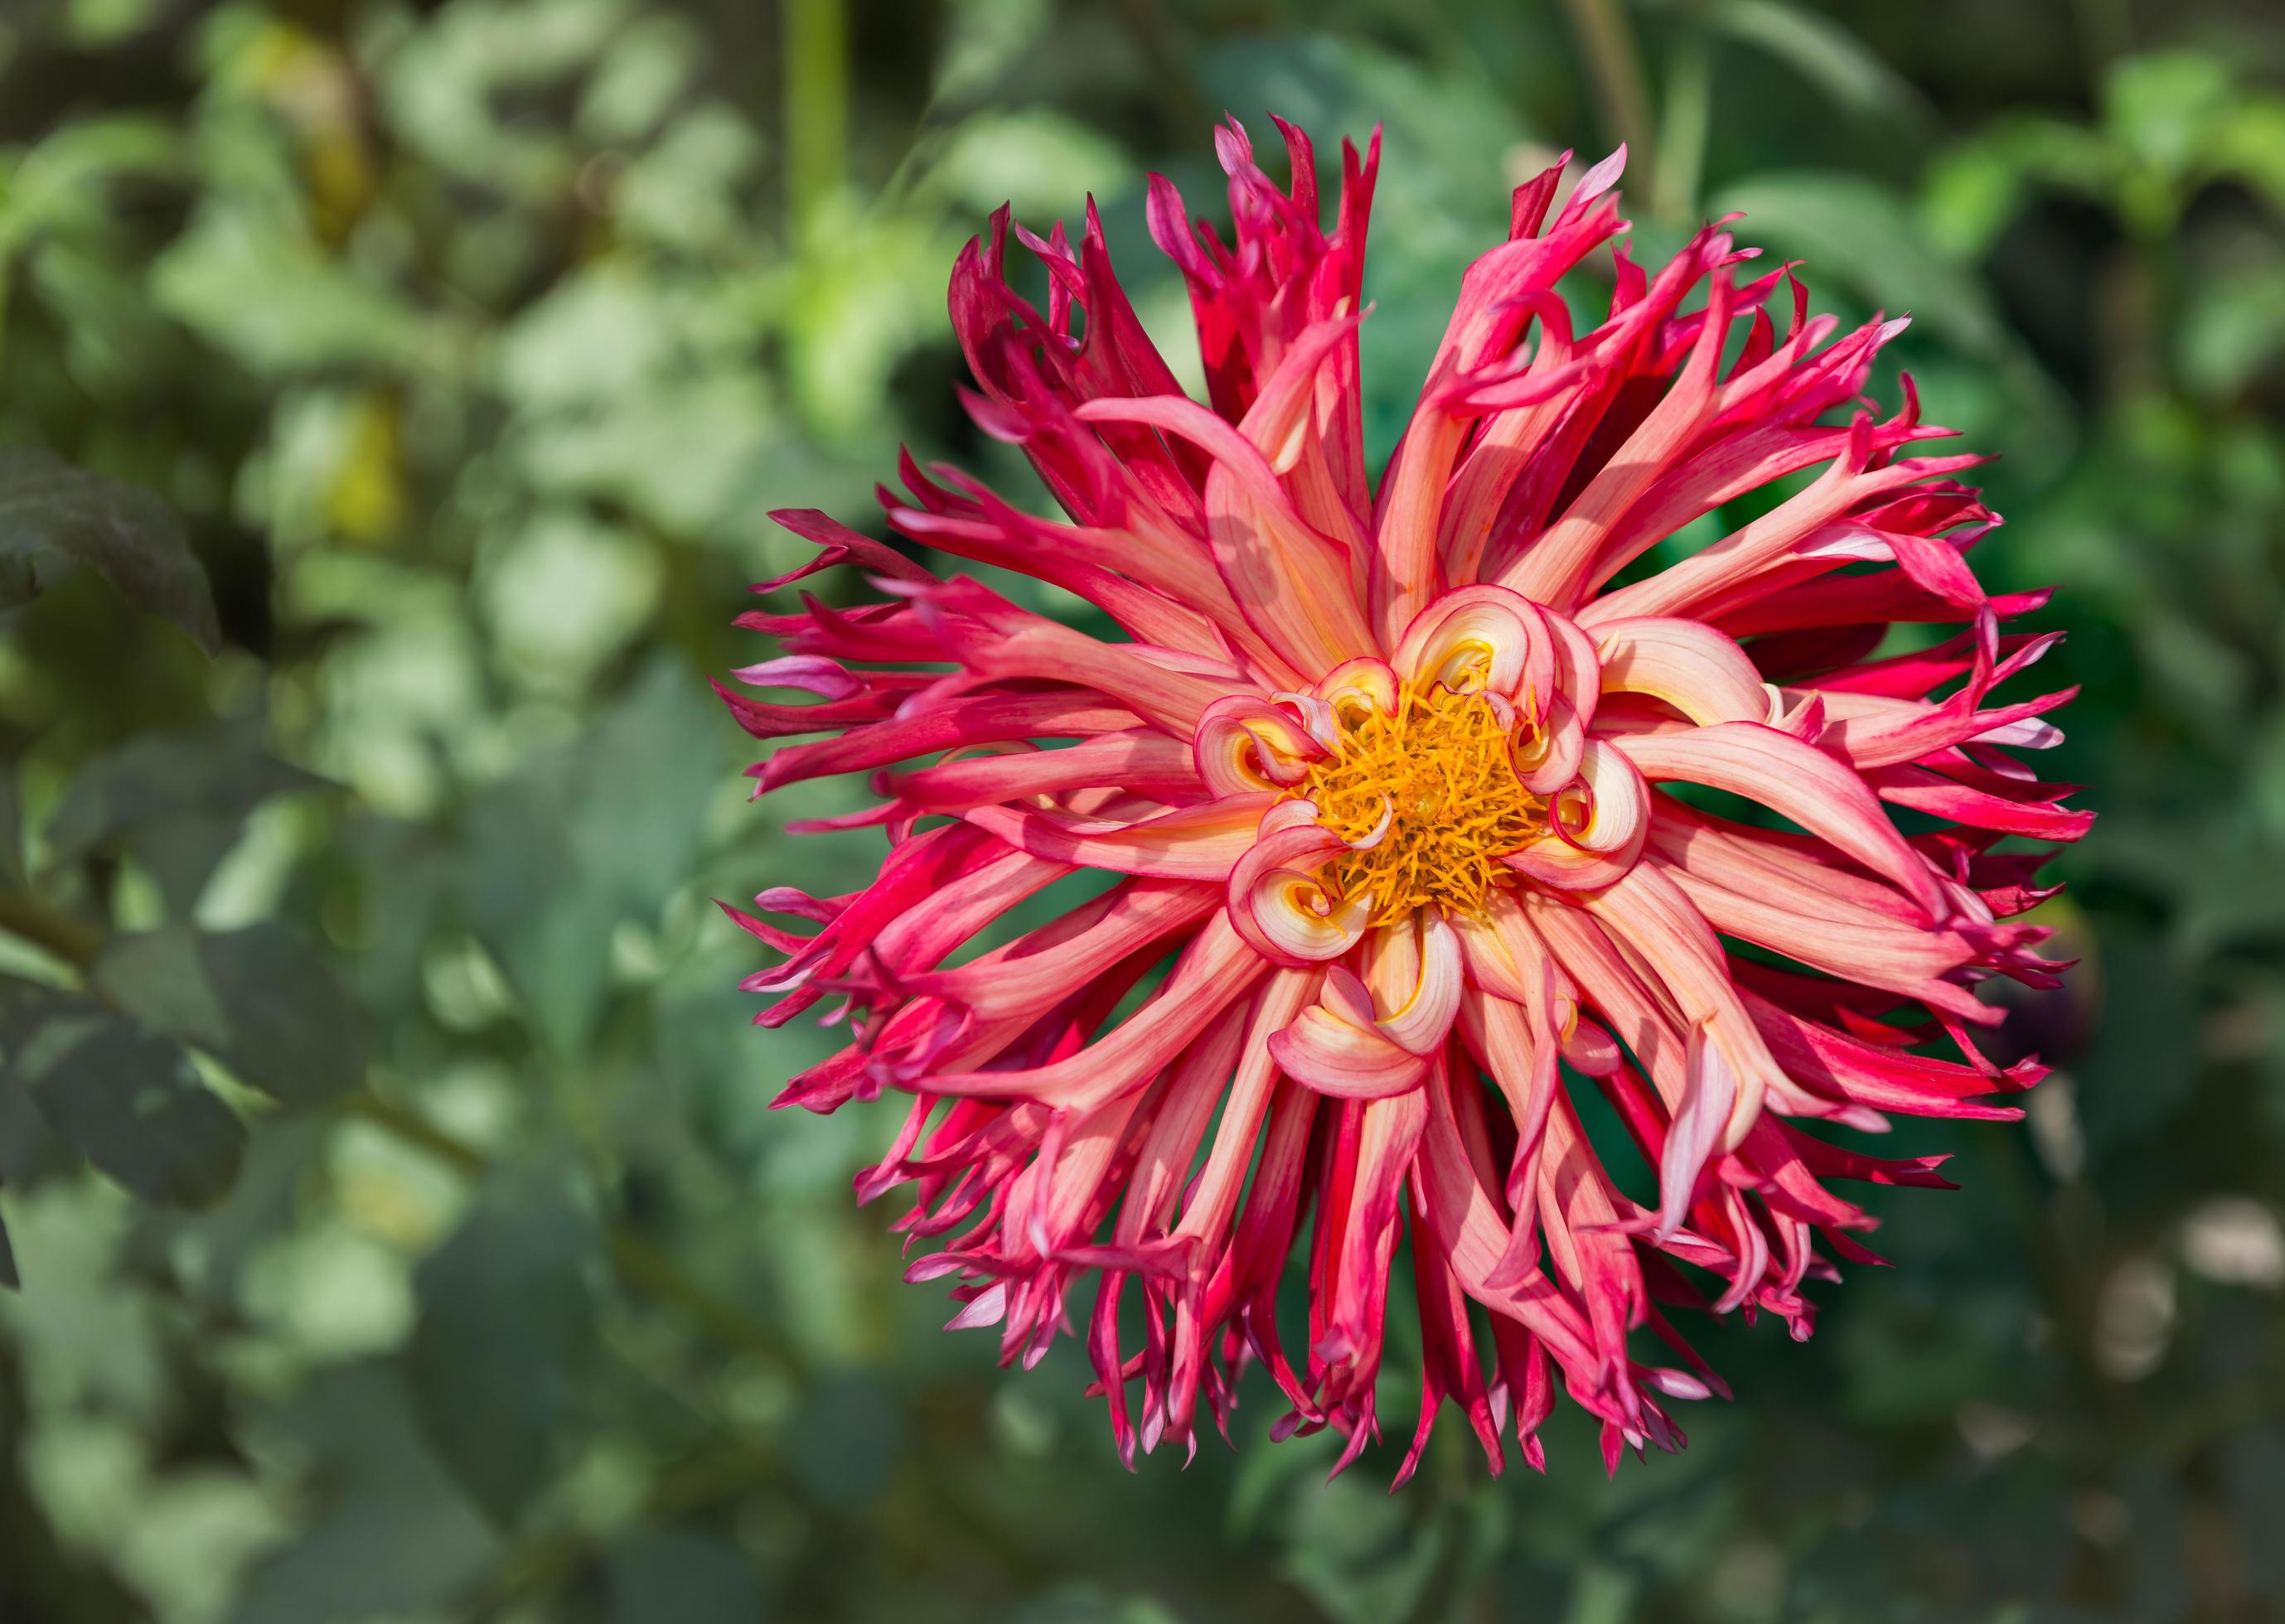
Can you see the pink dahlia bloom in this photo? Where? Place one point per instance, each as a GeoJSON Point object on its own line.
{"type": "Point", "coordinates": [1385, 790]}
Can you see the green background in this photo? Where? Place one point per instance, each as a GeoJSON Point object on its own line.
{"type": "Point", "coordinates": [445, 1263]}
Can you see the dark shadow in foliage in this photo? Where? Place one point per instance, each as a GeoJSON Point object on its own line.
{"type": "Point", "coordinates": [259, 999]}
{"type": "Point", "coordinates": [55, 518]}
{"type": "Point", "coordinates": [128, 1100]}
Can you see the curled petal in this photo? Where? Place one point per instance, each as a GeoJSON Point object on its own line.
{"type": "Point", "coordinates": [1548, 752]}
{"type": "Point", "coordinates": [1589, 1050]}
{"type": "Point", "coordinates": [1597, 825]}
{"type": "Point", "coordinates": [1329, 1049]}
{"type": "Point", "coordinates": [1483, 640]}
{"type": "Point", "coordinates": [1578, 667]}
{"type": "Point", "coordinates": [1246, 744]}
{"type": "Point", "coordinates": [1354, 690]}
{"type": "Point", "coordinates": [1281, 902]}
{"type": "Point", "coordinates": [1414, 968]}
{"type": "Point", "coordinates": [1289, 814]}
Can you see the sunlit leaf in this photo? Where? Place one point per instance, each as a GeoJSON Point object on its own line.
{"type": "Point", "coordinates": [1973, 190]}
{"type": "Point", "coordinates": [2163, 108]}
{"type": "Point", "coordinates": [1037, 160]}
{"type": "Point", "coordinates": [2249, 144]}
{"type": "Point", "coordinates": [60, 185]}
{"type": "Point", "coordinates": [276, 305]}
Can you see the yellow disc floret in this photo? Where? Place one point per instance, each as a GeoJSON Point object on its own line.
{"type": "Point", "coordinates": [1438, 773]}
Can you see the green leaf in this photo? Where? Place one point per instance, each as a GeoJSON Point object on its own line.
{"type": "Point", "coordinates": [506, 1312]}
{"type": "Point", "coordinates": [517, 886]}
{"type": "Point", "coordinates": [1859, 231]}
{"type": "Point", "coordinates": [29, 1150]}
{"type": "Point", "coordinates": [1363, 1555]}
{"type": "Point", "coordinates": [211, 1252]}
{"type": "Point", "coordinates": [60, 184]}
{"type": "Point", "coordinates": [392, 1533]}
{"type": "Point", "coordinates": [1036, 160]}
{"type": "Point", "coordinates": [261, 1000]}
{"type": "Point", "coordinates": [648, 773]}
{"type": "Point", "coordinates": [2250, 144]}
{"type": "Point", "coordinates": [2164, 108]}
{"type": "Point", "coordinates": [402, 867]}
{"type": "Point", "coordinates": [276, 303]}
{"type": "Point", "coordinates": [180, 799]}
{"type": "Point", "coordinates": [126, 1099]}
{"type": "Point", "coordinates": [1823, 53]}
{"type": "Point", "coordinates": [1974, 190]}
{"type": "Point", "coordinates": [549, 862]}
{"type": "Point", "coordinates": [658, 1574]}
{"type": "Point", "coordinates": [55, 518]}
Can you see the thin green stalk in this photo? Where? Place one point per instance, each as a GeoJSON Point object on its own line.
{"type": "Point", "coordinates": [816, 106]}
{"type": "Point", "coordinates": [71, 939]}
{"type": "Point", "coordinates": [1606, 40]}
{"type": "Point", "coordinates": [1682, 132]}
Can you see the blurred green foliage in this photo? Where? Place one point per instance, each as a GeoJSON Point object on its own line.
{"type": "Point", "coordinates": [439, 1258]}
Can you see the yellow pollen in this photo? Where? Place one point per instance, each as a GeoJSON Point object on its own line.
{"type": "Point", "coordinates": [1440, 771]}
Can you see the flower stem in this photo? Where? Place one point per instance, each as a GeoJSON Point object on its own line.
{"type": "Point", "coordinates": [816, 99]}
{"type": "Point", "coordinates": [1607, 39]}
{"type": "Point", "coordinates": [1682, 131]}
{"type": "Point", "coordinates": [50, 929]}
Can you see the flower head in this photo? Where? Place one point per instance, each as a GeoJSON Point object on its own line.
{"type": "Point", "coordinates": [1390, 783]}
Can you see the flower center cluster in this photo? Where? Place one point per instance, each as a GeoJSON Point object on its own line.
{"type": "Point", "coordinates": [1438, 775]}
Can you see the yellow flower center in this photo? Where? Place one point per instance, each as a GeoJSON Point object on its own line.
{"type": "Point", "coordinates": [1440, 771]}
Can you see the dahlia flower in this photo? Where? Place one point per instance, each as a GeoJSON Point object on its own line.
{"type": "Point", "coordinates": [1391, 792]}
